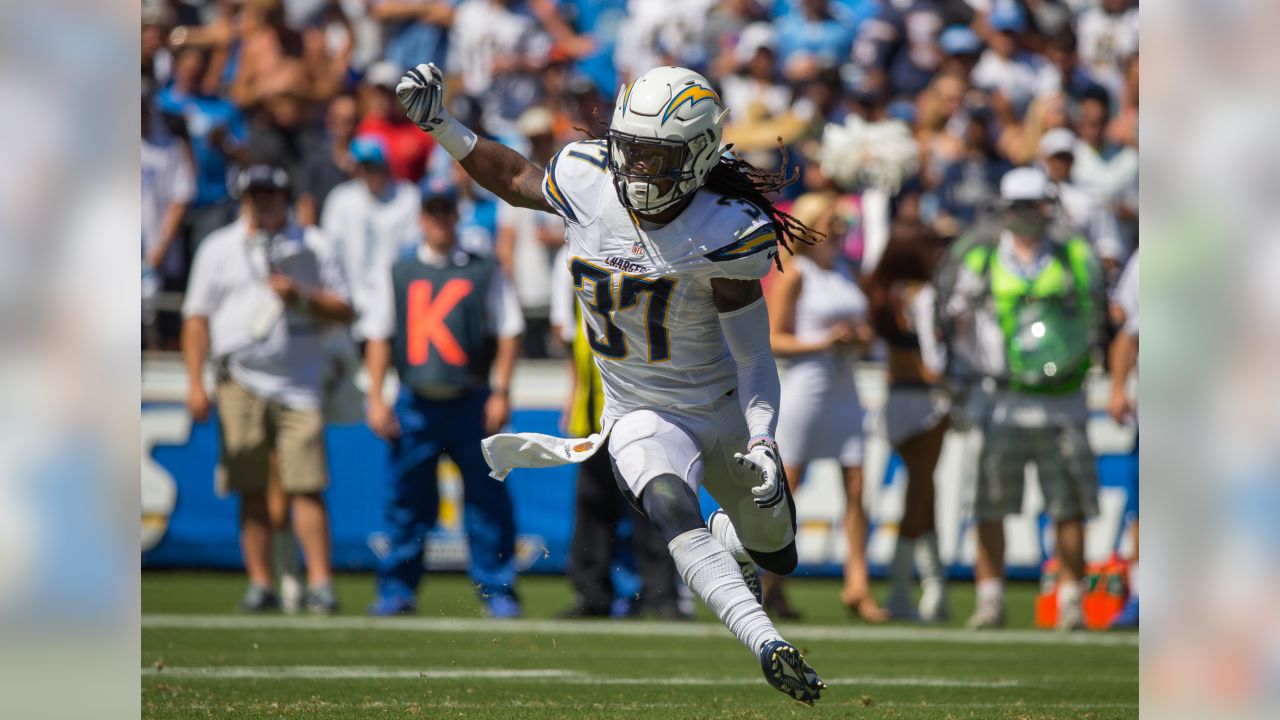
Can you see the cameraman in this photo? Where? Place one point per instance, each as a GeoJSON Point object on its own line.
{"type": "Point", "coordinates": [263, 292]}
{"type": "Point", "coordinates": [1024, 314]}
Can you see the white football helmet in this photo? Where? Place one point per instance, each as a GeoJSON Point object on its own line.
{"type": "Point", "coordinates": [664, 138]}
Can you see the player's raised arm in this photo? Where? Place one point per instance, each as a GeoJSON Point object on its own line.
{"type": "Point", "coordinates": [499, 169]}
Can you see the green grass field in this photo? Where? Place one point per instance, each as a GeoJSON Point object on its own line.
{"type": "Point", "coordinates": [203, 661]}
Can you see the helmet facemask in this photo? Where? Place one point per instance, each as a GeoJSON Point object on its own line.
{"type": "Point", "coordinates": [652, 175]}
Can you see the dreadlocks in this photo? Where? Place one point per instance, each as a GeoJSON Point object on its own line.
{"type": "Point", "coordinates": [736, 178]}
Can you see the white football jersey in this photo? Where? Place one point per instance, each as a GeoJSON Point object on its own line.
{"type": "Point", "coordinates": [645, 292]}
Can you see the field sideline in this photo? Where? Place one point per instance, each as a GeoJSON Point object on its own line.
{"type": "Point", "coordinates": [202, 661]}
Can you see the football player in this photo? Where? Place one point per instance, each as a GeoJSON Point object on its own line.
{"type": "Point", "coordinates": [668, 238]}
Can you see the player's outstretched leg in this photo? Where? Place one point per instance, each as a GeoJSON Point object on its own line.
{"type": "Point", "coordinates": [713, 573]}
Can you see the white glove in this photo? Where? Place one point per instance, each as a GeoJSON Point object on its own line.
{"type": "Point", "coordinates": [762, 456]}
{"type": "Point", "coordinates": [421, 92]}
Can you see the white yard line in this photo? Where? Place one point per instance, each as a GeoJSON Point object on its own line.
{"type": "Point", "coordinates": [614, 627]}
{"type": "Point", "coordinates": [560, 677]}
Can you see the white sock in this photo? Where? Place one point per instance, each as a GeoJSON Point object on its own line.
{"type": "Point", "coordinates": [929, 559]}
{"type": "Point", "coordinates": [710, 571]}
{"type": "Point", "coordinates": [991, 592]}
{"type": "Point", "coordinates": [726, 534]}
{"type": "Point", "coordinates": [900, 573]}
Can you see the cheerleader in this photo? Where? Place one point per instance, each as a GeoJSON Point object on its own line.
{"type": "Point", "coordinates": [818, 321]}
{"type": "Point", "coordinates": [901, 303]}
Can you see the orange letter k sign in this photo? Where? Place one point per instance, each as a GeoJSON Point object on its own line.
{"type": "Point", "coordinates": [425, 321]}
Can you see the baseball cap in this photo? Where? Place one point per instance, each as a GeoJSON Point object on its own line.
{"type": "Point", "coordinates": [437, 190]}
{"type": "Point", "coordinates": [1024, 184]}
{"type": "Point", "coordinates": [1056, 142]}
{"type": "Point", "coordinates": [263, 177]}
{"type": "Point", "coordinates": [368, 150]}
{"type": "Point", "coordinates": [755, 37]}
{"type": "Point", "coordinates": [1007, 15]}
{"type": "Point", "coordinates": [959, 40]}
{"type": "Point", "coordinates": [535, 121]}
{"type": "Point", "coordinates": [383, 73]}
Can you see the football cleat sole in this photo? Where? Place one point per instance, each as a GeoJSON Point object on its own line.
{"type": "Point", "coordinates": [785, 669]}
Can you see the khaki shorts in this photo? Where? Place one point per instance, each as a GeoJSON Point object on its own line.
{"type": "Point", "coordinates": [251, 427]}
{"type": "Point", "coordinates": [1064, 463]}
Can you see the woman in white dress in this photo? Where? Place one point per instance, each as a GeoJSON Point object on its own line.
{"type": "Point", "coordinates": [818, 319]}
{"type": "Point", "coordinates": [915, 414]}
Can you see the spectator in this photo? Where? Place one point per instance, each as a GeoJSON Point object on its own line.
{"type": "Point", "coordinates": [753, 90]}
{"type": "Point", "coordinates": [280, 130]}
{"type": "Point", "coordinates": [961, 49]}
{"type": "Point", "coordinates": [661, 32]}
{"type": "Point", "coordinates": [724, 35]}
{"type": "Point", "coordinates": [267, 44]}
{"type": "Point", "coordinates": [157, 61]}
{"type": "Point", "coordinates": [819, 36]}
{"type": "Point", "coordinates": [1124, 126]}
{"type": "Point", "coordinates": [407, 147]}
{"type": "Point", "coordinates": [414, 30]}
{"type": "Point", "coordinates": [1108, 34]}
{"type": "Point", "coordinates": [450, 324]}
{"type": "Point", "coordinates": [940, 126]}
{"type": "Point", "coordinates": [1064, 73]}
{"type": "Point", "coordinates": [168, 187]}
{"type": "Point", "coordinates": [1029, 304]}
{"type": "Point", "coordinates": [497, 52]}
{"type": "Point", "coordinates": [1081, 210]}
{"type": "Point", "coordinates": [901, 301]}
{"type": "Point", "coordinates": [1008, 70]}
{"type": "Point", "coordinates": [263, 291]}
{"type": "Point", "coordinates": [372, 220]}
{"type": "Point", "coordinates": [818, 320]}
{"type": "Point", "coordinates": [528, 240]}
{"type": "Point", "coordinates": [1102, 166]}
{"type": "Point", "coordinates": [218, 136]}
{"type": "Point", "coordinates": [899, 47]}
{"type": "Point", "coordinates": [970, 185]}
{"type": "Point", "coordinates": [331, 164]}
{"type": "Point", "coordinates": [599, 507]}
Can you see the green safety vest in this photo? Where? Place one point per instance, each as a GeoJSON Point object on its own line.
{"type": "Point", "coordinates": [1048, 321]}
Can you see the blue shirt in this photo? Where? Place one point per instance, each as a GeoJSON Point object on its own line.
{"type": "Point", "coordinates": [829, 39]}
{"type": "Point", "coordinates": [203, 114]}
{"type": "Point", "coordinates": [598, 19]}
{"type": "Point", "coordinates": [969, 185]}
{"type": "Point", "coordinates": [410, 42]}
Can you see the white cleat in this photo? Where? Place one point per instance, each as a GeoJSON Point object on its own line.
{"type": "Point", "coordinates": [986, 617]}
{"type": "Point", "coordinates": [933, 603]}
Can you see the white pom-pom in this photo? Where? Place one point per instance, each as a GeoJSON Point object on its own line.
{"type": "Point", "coordinates": [859, 154]}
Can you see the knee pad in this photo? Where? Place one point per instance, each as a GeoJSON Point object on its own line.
{"type": "Point", "coordinates": [778, 562]}
{"type": "Point", "coordinates": [671, 505]}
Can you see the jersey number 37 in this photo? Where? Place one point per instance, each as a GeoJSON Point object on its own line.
{"type": "Point", "coordinates": [610, 293]}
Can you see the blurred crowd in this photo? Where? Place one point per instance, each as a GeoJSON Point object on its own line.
{"type": "Point", "coordinates": [308, 85]}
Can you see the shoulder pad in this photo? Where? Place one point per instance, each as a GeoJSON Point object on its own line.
{"type": "Point", "coordinates": [744, 239]}
{"type": "Point", "coordinates": [573, 179]}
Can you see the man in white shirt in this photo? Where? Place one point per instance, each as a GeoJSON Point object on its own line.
{"type": "Point", "coordinates": [372, 220]}
{"type": "Point", "coordinates": [450, 324]}
{"type": "Point", "coordinates": [263, 292]}
{"type": "Point", "coordinates": [1081, 209]}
